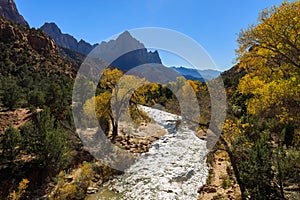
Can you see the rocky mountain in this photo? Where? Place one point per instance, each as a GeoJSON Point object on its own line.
{"type": "Point", "coordinates": [66, 40]}
{"type": "Point", "coordinates": [22, 47]}
{"type": "Point", "coordinates": [194, 74]}
{"type": "Point", "coordinates": [9, 11]}
{"type": "Point", "coordinates": [126, 52]}
{"type": "Point", "coordinates": [136, 58]}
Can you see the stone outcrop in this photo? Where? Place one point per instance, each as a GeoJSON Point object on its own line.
{"type": "Point", "coordinates": [42, 44]}
{"type": "Point", "coordinates": [39, 42]}
{"type": "Point", "coordinates": [9, 11]}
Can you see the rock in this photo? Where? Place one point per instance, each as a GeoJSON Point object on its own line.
{"type": "Point", "coordinates": [127, 148]}
{"type": "Point", "coordinates": [96, 178]}
{"type": "Point", "coordinates": [201, 134]}
{"type": "Point", "coordinates": [51, 185]}
{"type": "Point", "coordinates": [221, 159]}
{"type": "Point", "coordinates": [69, 178]}
{"type": "Point", "coordinates": [118, 139]}
{"type": "Point", "coordinates": [206, 188]}
{"type": "Point", "coordinates": [190, 174]}
{"type": "Point", "coordinates": [42, 44]}
{"type": "Point", "coordinates": [92, 190]}
{"type": "Point", "coordinates": [100, 183]}
{"type": "Point", "coordinates": [132, 149]}
{"type": "Point", "coordinates": [145, 148]}
{"type": "Point", "coordinates": [292, 188]}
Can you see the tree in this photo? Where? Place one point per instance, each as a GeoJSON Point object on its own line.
{"type": "Point", "coordinates": [269, 97]}
{"type": "Point", "coordinates": [47, 141]}
{"type": "Point", "coordinates": [274, 41]}
{"type": "Point", "coordinates": [59, 97]}
{"type": "Point", "coordinates": [113, 102]}
{"type": "Point", "coordinates": [36, 98]}
{"type": "Point", "coordinates": [12, 96]}
{"type": "Point", "coordinates": [10, 143]}
{"type": "Point", "coordinates": [256, 170]}
{"type": "Point", "coordinates": [269, 52]}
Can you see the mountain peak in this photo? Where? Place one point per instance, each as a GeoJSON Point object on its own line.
{"type": "Point", "coordinates": [125, 40]}
{"type": "Point", "coordinates": [125, 52]}
{"type": "Point", "coordinates": [66, 40]}
{"type": "Point", "coordinates": [8, 10]}
{"type": "Point", "coordinates": [125, 35]}
{"type": "Point", "coordinates": [51, 27]}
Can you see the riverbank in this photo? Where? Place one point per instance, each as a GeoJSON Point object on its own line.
{"type": "Point", "coordinates": [221, 182]}
{"type": "Point", "coordinates": [138, 139]}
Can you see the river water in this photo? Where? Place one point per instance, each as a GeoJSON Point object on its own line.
{"type": "Point", "coordinates": [173, 168]}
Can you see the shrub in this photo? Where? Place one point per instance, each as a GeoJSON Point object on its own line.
{"type": "Point", "coordinates": [16, 195]}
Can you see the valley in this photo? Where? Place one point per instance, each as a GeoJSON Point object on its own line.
{"type": "Point", "coordinates": [111, 120]}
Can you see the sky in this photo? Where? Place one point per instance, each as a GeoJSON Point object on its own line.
{"type": "Point", "coordinates": [214, 24]}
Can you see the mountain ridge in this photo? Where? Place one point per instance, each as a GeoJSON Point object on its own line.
{"type": "Point", "coordinates": [66, 40]}
{"type": "Point", "coordinates": [195, 74]}
{"type": "Point", "coordinates": [125, 52]}
{"type": "Point", "coordinates": [8, 10]}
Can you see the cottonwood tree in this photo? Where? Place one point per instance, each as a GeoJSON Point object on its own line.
{"type": "Point", "coordinates": [269, 54]}
{"type": "Point", "coordinates": [111, 104]}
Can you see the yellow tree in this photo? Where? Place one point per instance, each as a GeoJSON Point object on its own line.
{"type": "Point", "coordinates": [113, 102]}
{"type": "Point", "coordinates": [270, 53]}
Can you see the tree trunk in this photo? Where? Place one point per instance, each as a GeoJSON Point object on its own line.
{"type": "Point", "coordinates": [115, 126]}
{"type": "Point", "coordinates": [280, 178]}
{"type": "Point", "coordinates": [234, 166]}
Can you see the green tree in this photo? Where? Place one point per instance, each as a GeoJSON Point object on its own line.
{"type": "Point", "coordinates": [36, 98]}
{"type": "Point", "coordinates": [265, 105]}
{"type": "Point", "coordinates": [11, 93]}
{"type": "Point", "coordinates": [47, 141]}
{"type": "Point", "coordinates": [59, 97]}
{"type": "Point", "coordinates": [256, 170]}
{"type": "Point", "coordinates": [10, 144]}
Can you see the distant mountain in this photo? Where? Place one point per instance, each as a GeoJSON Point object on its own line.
{"type": "Point", "coordinates": [9, 11]}
{"type": "Point", "coordinates": [156, 73]}
{"type": "Point", "coordinates": [66, 40]}
{"type": "Point", "coordinates": [194, 74]}
{"type": "Point", "coordinates": [126, 52]}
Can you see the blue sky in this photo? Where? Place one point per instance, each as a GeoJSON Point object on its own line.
{"type": "Point", "coordinates": [214, 24]}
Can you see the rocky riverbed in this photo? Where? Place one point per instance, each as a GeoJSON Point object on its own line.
{"type": "Point", "coordinates": [173, 168]}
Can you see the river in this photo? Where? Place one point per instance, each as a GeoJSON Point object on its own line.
{"type": "Point", "coordinates": [173, 168]}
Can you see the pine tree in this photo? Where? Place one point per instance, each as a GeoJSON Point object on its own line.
{"type": "Point", "coordinates": [10, 144]}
